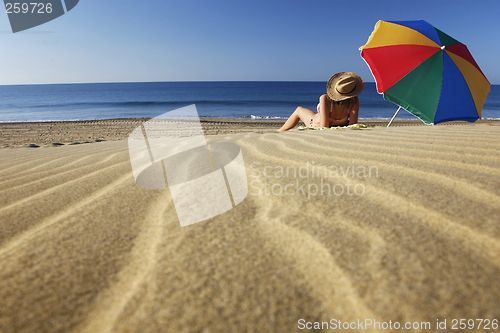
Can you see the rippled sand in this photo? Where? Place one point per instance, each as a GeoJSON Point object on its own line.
{"type": "Point", "coordinates": [83, 249]}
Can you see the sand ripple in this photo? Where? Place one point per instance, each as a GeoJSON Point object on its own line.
{"type": "Point", "coordinates": [83, 249]}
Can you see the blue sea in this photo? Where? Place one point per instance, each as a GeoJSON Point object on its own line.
{"type": "Point", "coordinates": [250, 100]}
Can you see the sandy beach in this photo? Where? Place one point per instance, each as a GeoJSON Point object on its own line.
{"type": "Point", "coordinates": [396, 224]}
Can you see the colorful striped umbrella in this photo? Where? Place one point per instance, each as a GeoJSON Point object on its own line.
{"type": "Point", "coordinates": [425, 71]}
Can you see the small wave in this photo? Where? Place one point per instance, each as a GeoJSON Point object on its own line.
{"type": "Point", "coordinates": [135, 104]}
{"type": "Point", "coordinates": [263, 117]}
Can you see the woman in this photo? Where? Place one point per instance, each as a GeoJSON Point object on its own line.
{"type": "Point", "coordinates": [339, 107]}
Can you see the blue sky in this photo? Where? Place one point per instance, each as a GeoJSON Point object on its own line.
{"type": "Point", "coordinates": [235, 40]}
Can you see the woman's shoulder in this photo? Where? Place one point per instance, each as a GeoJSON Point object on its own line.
{"type": "Point", "coordinates": [324, 98]}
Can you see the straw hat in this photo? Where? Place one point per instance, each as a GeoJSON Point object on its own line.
{"type": "Point", "coordinates": [344, 85]}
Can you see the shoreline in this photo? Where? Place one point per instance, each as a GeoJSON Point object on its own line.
{"type": "Point", "coordinates": [58, 133]}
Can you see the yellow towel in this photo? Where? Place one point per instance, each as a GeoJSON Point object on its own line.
{"type": "Point", "coordinates": [301, 128]}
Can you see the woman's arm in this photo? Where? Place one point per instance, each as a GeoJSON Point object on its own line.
{"type": "Point", "coordinates": [353, 113]}
{"type": "Point", "coordinates": [324, 111]}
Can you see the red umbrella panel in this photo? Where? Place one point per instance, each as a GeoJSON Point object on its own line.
{"type": "Point", "coordinates": [427, 72]}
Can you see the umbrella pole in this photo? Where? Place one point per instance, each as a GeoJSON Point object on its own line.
{"type": "Point", "coordinates": [394, 117]}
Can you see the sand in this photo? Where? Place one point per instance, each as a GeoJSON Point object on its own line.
{"type": "Point", "coordinates": [43, 134]}
{"type": "Point", "coordinates": [412, 235]}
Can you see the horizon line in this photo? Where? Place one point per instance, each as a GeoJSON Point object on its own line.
{"type": "Point", "coordinates": [108, 82]}
{"type": "Point", "coordinates": [112, 82]}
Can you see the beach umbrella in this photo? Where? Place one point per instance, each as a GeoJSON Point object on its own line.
{"type": "Point", "coordinates": [425, 71]}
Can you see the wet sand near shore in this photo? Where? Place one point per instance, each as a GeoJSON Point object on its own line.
{"type": "Point", "coordinates": [33, 134]}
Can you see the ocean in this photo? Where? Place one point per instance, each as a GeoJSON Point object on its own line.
{"type": "Point", "coordinates": [249, 100]}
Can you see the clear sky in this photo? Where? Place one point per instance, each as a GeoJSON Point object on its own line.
{"type": "Point", "coordinates": [234, 40]}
